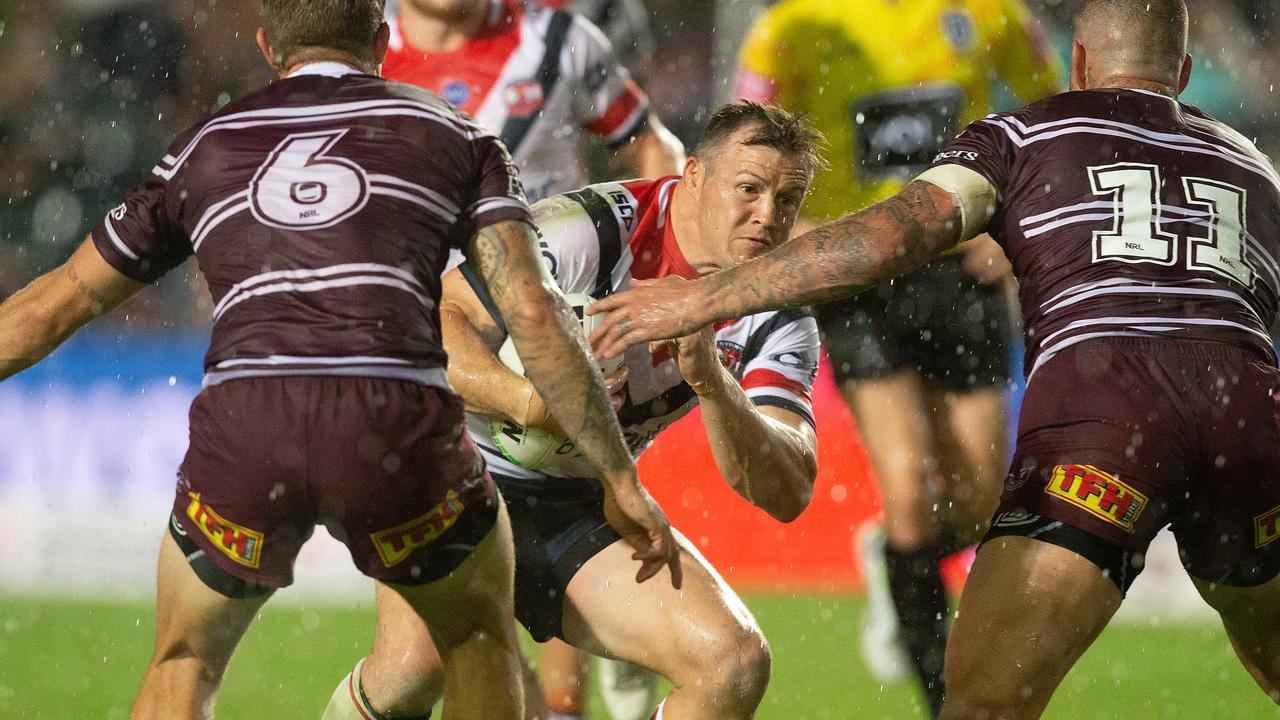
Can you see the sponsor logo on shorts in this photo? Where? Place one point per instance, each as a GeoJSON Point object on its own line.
{"type": "Point", "coordinates": [1016, 519]}
{"type": "Point", "coordinates": [1099, 493]}
{"type": "Point", "coordinates": [395, 544]}
{"type": "Point", "coordinates": [237, 541]}
{"type": "Point", "coordinates": [1013, 480]}
{"type": "Point", "coordinates": [1266, 527]}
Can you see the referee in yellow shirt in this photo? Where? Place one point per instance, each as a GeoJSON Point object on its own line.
{"type": "Point", "coordinates": [924, 362]}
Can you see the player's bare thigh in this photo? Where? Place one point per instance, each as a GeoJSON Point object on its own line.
{"type": "Point", "coordinates": [1017, 633]}
{"type": "Point", "coordinates": [689, 636]}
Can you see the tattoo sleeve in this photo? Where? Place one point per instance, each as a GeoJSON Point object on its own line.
{"type": "Point", "coordinates": [841, 258]}
{"type": "Point", "coordinates": [550, 342]}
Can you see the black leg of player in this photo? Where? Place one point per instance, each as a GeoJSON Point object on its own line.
{"type": "Point", "coordinates": [921, 601]}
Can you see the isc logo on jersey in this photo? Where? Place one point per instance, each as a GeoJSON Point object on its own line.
{"type": "Point", "coordinates": [529, 447]}
{"type": "Point", "coordinates": [1099, 493]}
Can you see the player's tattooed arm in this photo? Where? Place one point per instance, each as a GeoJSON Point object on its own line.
{"type": "Point", "coordinates": [547, 335]}
{"type": "Point", "coordinates": [831, 261]}
{"type": "Point", "coordinates": [39, 317]}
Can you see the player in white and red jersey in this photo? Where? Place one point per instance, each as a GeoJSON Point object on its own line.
{"type": "Point", "coordinates": [751, 378]}
{"type": "Point", "coordinates": [543, 80]}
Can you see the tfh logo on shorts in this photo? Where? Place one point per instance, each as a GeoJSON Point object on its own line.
{"type": "Point", "coordinates": [1098, 493]}
{"type": "Point", "coordinates": [1266, 527]}
{"type": "Point", "coordinates": [238, 542]}
{"type": "Point", "coordinates": [395, 544]}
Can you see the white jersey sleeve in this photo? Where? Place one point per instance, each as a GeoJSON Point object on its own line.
{"type": "Point", "coordinates": [780, 361]}
{"type": "Point", "coordinates": [607, 102]}
{"type": "Point", "coordinates": [569, 243]}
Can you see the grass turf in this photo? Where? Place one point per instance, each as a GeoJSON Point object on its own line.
{"type": "Point", "coordinates": [63, 659]}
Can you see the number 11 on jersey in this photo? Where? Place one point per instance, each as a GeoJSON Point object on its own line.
{"type": "Point", "coordinates": [1136, 235]}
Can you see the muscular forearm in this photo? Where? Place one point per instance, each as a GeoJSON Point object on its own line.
{"type": "Point", "coordinates": [487, 386]}
{"type": "Point", "coordinates": [37, 319]}
{"type": "Point", "coordinates": [840, 258]}
{"type": "Point", "coordinates": [555, 355]}
{"type": "Point", "coordinates": [770, 464]}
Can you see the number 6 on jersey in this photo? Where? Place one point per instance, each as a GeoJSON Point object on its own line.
{"type": "Point", "coordinates": [299, 187]}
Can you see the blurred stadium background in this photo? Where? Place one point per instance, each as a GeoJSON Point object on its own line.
{"type": "Point", "coordinates": [90, 93]}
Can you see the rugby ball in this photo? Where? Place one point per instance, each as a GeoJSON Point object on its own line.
{"type": "Point", "coordinates": [530, 447]}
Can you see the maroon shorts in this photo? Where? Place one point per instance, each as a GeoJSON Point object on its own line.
{"type": "Point", "coordinates": [385, 465]}
{"type": "Point", "coordinates": [1119, 437]}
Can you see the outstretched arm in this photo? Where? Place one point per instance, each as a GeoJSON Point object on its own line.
{"type": "Point", "coordinates": [831, 261]}
{"type": "Point", "coordinates": [38, 318]}
{"type": "Point", "coordinates": [547, 336]}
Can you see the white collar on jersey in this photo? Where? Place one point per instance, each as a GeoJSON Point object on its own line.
{"type": "Point", "coordinates": [327, 68]}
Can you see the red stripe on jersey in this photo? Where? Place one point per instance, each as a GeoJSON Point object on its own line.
{"type": "Point", "coordinates": [774, 379]}
{"type": "Point", "coordinates": [613, 118]}
{"type": "Point", "coordinates": [474, 65]}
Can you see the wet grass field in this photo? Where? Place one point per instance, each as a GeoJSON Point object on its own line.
{"type": "Point", "coordinates": [62, 660]}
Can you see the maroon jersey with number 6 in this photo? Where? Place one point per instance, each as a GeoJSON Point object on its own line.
{"type": "Point", "coordinates": [321, 210]}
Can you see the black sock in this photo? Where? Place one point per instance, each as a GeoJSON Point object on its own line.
{"type": "Point", "coordinates": [916, 585]}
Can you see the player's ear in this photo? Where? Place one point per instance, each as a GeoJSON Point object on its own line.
{"type": "Point", "coordinates": [1185, 75]}
{"type": "Point", "coordinates": [694, 171]}
{"type": "Point", "coordinates": [381, 41]}
{"type": "Point", "coordinates": [264, 45]}
{"type": "Point", "coordinates": [1078, 76]}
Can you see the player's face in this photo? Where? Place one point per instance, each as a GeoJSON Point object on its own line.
{"type": "Point", "coordinates": [749, 198]}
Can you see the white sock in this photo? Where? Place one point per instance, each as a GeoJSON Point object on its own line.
{"type": "Point", "coordinates": [348, 701]}
{"type": "Point", "coordinates": [657, 714]}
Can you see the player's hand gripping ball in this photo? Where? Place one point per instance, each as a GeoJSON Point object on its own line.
{"type": "Point", "coordinates": [530, 447]}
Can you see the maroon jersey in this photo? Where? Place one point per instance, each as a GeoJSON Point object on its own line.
{"type": "Point", "coordinates": [321, 210]}
{"type": "Point", "coordinates": [1127, 213]}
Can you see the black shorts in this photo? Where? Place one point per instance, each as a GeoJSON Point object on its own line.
{"type": "Point", "coordinates": [558, 525]}
{"type": "Point", "coordinates": [1119, 437]}
{"type": "Point", "coordinates": [938, 320]}
{"type": "Point", "coordinates": [385, 465]}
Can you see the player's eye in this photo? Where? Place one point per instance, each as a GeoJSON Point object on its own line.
{"type": "Point", "coordinates": [748, 188]}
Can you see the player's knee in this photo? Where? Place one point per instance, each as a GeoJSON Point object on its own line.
{"type": "Point", "coordinates": [737, 671]}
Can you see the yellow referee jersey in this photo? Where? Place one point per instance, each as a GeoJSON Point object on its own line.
{"type": "Point", "coordinates": [889, 82]}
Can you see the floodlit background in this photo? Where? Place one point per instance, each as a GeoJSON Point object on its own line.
{"type": "Point", "coordinates": [91, 92]}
